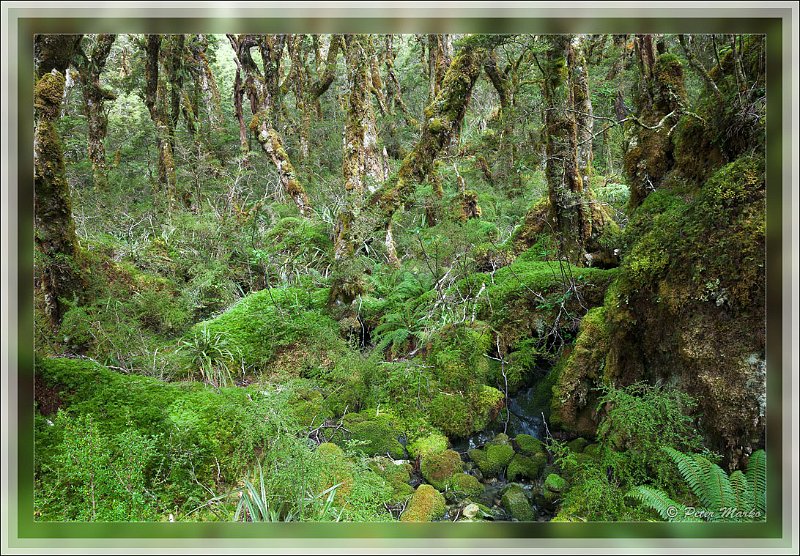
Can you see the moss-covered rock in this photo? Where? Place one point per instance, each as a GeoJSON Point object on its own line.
{"type": "Point", "coordinates": [372, 434]}
{"type": "Point", "coordinates": [464, 485]}
{"type": "Point", "coordinates": [426, 504]}
{"type": "Point", "coordinates": [516, 503]}
{"type": "Point", "coordinates": [524, 467]}
{"type": "Point", "coordinates": [553, 488]}
{"type": "Point", "coordinates": [438, 467]}
{"type": "Point", "coordinates": [429, 444]}
{"type": "Point", "coordinates": [577, 445]}
{"type": "Point", "coordinates": [494, 457]}
{"type": "Point", "coordinates": [527, 445]}
{"type": "Point", "coordinates": [272, 330]}
{"type": "Point", "coordinates": [397, 475]}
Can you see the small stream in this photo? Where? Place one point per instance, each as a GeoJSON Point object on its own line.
{"type": "Point", "coordinates": [523, 417]}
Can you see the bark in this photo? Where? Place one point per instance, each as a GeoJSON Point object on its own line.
{"type": "Point", "coordinates": [565, 185]}
{"type": "Point", "coordinates": [649, 153]}
{"type": "Point", "coordinates": [55, 239]}
{"type": "Point", "coordinates": [94, 94]}
{"type": "Point", "coordinates": [440, 54]}
{"type": "Point", "coordinates": [158, 99]}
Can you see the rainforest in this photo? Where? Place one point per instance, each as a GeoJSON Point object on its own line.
{"type": "Point", "coordinates": [375, 278]}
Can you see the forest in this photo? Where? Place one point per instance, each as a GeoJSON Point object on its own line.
{"type": "Point", "coordinates": [375, 278]}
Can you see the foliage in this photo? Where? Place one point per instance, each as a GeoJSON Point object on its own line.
{"type": "Point", "coordinates": [722, 497]}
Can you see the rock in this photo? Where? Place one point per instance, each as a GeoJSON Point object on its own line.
{"type": "Point", "coordinates": [526, 467]}
{"type": "Point", "coordinates": [462, 485]}
{"type": "Point", "coordinates": [516, 503]}
{"type": "Point", "coordinates": [426, 504]}
{"type": "Point", "coordinates": [494, 458]}
{"type": "Point", "coordinates": [438, 468]}
{"type": "Point", "coordinates": [577, 445]}
{"type": "Point", "coordinates": [470, 511]}
{"type": "Point", "coordinates": [528, 445]}
{"type": "Point", "coordinates": [429, 444]}
{"type": "Point", "coordinates": [554, 483]}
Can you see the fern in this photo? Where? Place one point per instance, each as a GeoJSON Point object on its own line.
{"type": "Point", "coordinates": [667, 508]}
{"type": "Point", "coordinates": [757, 479]}
{"type": "Point", "coordinates": [738, 497]}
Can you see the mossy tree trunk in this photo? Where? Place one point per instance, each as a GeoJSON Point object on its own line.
{"type": "Point", "coordinates": [362, 164]}
{"type": "Point", "coordinates": [584, 115]}
{"type": "Point", "coordinates": [90, 67]}
{"type": "Point", "coordinates": [440, 54]}
{"type": "Point", "coordinates": [263, 89]}
{"type": "Point", "coordinates": [442, 122]}
{"type": "Point", "coordinates": [659, 102]}
{"type": "Point", "coordinates": [55, 239]}
{"type": "Point", "coordinates": [158, 99]}
{"type": "Point", "coordinates": [308, 98]}
{"type": "Point", "coordinates": [565, 186]}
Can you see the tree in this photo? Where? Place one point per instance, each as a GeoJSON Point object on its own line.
{"type": "Point", "coordinates": [363, 167]}
{"type": "Point", "coordinates": [90, 67]}
{"type": "Point", "coordinates": [55, 238]}
{"type": "Point", "coordinates": [263, 88]}
{"type": "Point", "coordinates": [568, 210]}
{"type": "Point", "coordinates": [659, 101]}
{"type": "Point", "coordinates": [442, 122]}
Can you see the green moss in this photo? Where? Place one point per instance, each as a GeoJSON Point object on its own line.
{"type": "Point", "coordinates": [329, 450]}
{"type": "Point", "coordinates": [528, 445]}
{"type": "Point", "coordinates": [555, 483]}
{"type": "Point", "coordinates": [398, 476]}
{"type": "Point", "coordinates": [572, 393]}
{"type": "Point", "coordinates": [493, 458]}
{"type": "Point", "coordinates": [516, 503]}
{"type": "Point", "coordinates": [438, 468]}
{"type": "Point", "coordinates": [427, 504]}
{"type": "Point", "coordinates": [524, 467]}
{"type": "Point", "coordinates": [457, 353]}
{"type": "Point", "coordinates": [429, 444]}
{"type": "Point", "coordinates": [282, 323]}
{"type": "Point", "coordinates": [372, 434]}
{"type": "Point", "coordinates": [464, 485]}
{"type": "Point", "coordinates": [577, 445]}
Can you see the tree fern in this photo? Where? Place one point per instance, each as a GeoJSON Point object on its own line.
{"type": "Point", "coordinates": [738, 497]}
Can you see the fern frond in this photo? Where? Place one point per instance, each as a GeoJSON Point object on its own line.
{"type": "Point", "coordinates": [757, 479]}
{"type": "Point", "coordinates": [689, 469]}
{"type": "Point", "coordinates": [655, 499]}
{"type": "Point", "coordinates": [717, 491]}
{"type": "Point", "coordinates": [742, 492]}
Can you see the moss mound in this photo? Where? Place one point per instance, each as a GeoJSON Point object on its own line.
{"type": "Point", "coordinates": [426, 504]}
{"type": "Point", "coordinates": [516, 503]}
{"type": "Point", "coordinates": [439, 467]}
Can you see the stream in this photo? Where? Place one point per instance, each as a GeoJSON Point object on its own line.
{"type": "Point", "coordinates": [524, 417]}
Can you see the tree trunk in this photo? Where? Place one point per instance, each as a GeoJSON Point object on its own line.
{"type": "Point", "coordinates": [362, 165]}
{"type": "Point", "coordinates": [156, 99]}
{"type": "Point", "coordinates": [442, 120]}
{"type": "Point", "coordinates": [584, 116]}
{"type": "Point", "coordinates": [649, 154]}
{"type": "Point", "coordinates": [264, 92]}
{"type": "Point", "coordinates": [94, 97]}
{"type": "Point", "coordinates": [55, 238]}
{"type": "Point", "coordinates": [565, 186]}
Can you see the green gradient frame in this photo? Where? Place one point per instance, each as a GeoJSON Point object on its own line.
{"type": "Point", "coordinates": [24, 532]}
